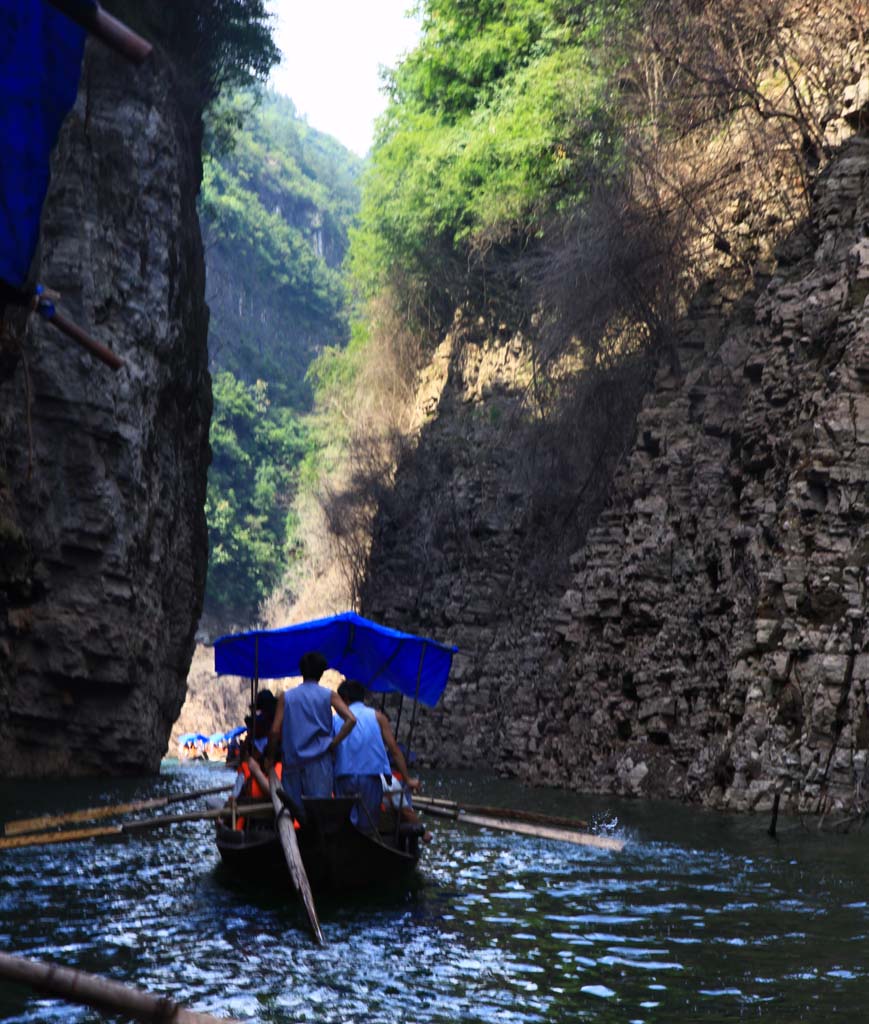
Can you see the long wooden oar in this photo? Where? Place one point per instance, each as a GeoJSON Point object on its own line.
{"type": "Point", "coordinates": [23, 825]}
{"type": "Point", "coordinates": [506, 813]}
{"type": "Point", "coordinates": [524, 828]}
{"type": "Point", "coordinates": [75, 834]}
{"type": "Point", "coordinates": [101, 993]}
{"type": "Point", "coordinates": [287, 834]}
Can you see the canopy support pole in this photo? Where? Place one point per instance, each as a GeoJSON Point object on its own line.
{"type": "Point", "coordinates": [398, 716]}
{"type": "Point", "coordinates": [415, 698]}
{"type": "Point", "coordinates": [254, 688]}
{"type": "Point", "coordinates": [409, 738]}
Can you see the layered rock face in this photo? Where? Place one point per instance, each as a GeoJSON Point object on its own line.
{"type": "Point", "coordinates": [473, 545]}
{"type": "Point", "coordinates": [712, 641]}
{"type": "Point", "coordinates": [103, 542]}
{"type": "Point", "coordinates": [715, 634]}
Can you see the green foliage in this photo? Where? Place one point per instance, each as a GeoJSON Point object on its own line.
{"type": "Point", "coordinates": [257, 449]}
{"type": "Point", "coordinates": [275, 210]}
{"type": "Point", "coordinates": [275, 214]}
{"type": "Point", "coordinates": [494, 121]}
{"type": "Point", "coordinates": [334, 371]}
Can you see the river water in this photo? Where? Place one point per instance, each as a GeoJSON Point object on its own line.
{"type": "Point", "coordinates": [701, 917]}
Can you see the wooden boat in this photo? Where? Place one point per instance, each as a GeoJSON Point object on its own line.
{"type": "Point", "coordinates": [336, 854]}
{"type": "Point", "coordinates": [328, 851]}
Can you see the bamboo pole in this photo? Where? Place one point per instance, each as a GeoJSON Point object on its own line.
{"type": "Point", "coordinates": [293, 856]}
{"type": "Point", "coordinates": [74, 835]}
{"type": "Point", "coordinates": [96, 348]}
{"type": "Point", "coordinates": [112, 32]}
{"type": "Point", "coordinates": [524, 828]}
{"type": "Point", "coordinates": [509, 813]}
{"type": "Point", "coordinates": [22, 825]}
{"type": "Point", "coordinates": [100, 993]}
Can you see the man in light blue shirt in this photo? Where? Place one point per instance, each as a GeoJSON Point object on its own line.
{"type": "Point", "coordinates": [361, 760]}
{"type": "Point", "coordinates": [303, 724]}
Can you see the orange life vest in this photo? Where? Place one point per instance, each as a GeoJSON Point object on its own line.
{"type": "Point", "coordinates": [254, 789]}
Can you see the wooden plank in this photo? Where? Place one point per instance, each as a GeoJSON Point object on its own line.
{"type": "Point", "coordinates": [543, 832]}
{"type": "Point", "coordinates": [102, 993]}
{"type": "Point", "coordinates": [74, 835]}
{"type": "Point", "coordinates": [23, 825]}
{"type": "Point", "coordinates": [527, 829]}
{"type": "Point", "coordinates": [69, 836]}
{"type": "Point", "coordinates": [293, 856]}
{"type": "Point", "coordinates": [507, 813]}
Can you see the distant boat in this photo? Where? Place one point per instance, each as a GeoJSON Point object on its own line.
{"type": "Point", "coordinates": [191, 746]}
{"type": "Point", "coordinates": [336, 854]}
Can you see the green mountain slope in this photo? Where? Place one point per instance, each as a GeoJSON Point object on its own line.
{"type": "Point", "coordinates": [275, 216]}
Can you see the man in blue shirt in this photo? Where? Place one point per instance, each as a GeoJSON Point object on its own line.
{"type": "Point", "coordinates": [303, 724]}
{"type": "Point", "coordinates": [362, 761]}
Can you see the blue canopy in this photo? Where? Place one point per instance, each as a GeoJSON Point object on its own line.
{"type": "Point", "coordinates": [216, 737]}
{"type": "Point", "coordinates": [237, 731]}
{"type": "Point", "coordinates": [192, 737]}
{"type": "Point", "coordinates": [39, 71]}
{"type": "Point", "coordinates": [382, 659]}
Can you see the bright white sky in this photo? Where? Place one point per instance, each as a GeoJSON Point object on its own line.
{"type": "Point", "coordinates": [332, 50]}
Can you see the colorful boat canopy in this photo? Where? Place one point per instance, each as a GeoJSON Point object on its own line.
{"type": "Point", "coordinates": [382, 659]}
{"type": "Point", "coordinates": [237, 731]}
{"type": "Point", "coordinates": [40, 62]}
{"type": "Point", "coordinates": [192, 737]}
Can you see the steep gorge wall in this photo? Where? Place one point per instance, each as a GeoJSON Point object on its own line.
{"type": "Point", "coordinates": [103, 543]}
{"type": "Point", "coordinates": [711, 640]}
{"type": "Point", "coordinates": [714, 638]}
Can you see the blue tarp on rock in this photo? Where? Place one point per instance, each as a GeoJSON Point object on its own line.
{"type": "Point", "coordinates": [382, 659]}
{"type": "Point", "coordinates": [40, 63]}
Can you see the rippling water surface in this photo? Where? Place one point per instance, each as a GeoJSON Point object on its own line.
{"type": "Point", "coordinates": [701, 917]}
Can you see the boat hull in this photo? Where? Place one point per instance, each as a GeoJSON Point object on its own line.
{"type": "Point", "coordinates": [335, 853]}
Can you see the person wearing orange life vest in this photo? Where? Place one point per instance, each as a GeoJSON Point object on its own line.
{"type": "Point", "coordinates": [251, 784]}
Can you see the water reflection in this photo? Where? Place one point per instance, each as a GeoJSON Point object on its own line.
{"type": "Point", "coordinates": [700, 917]}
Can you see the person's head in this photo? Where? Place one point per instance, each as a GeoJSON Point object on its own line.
{"type": "Point", "coordinates": [351, 691]}
{"type": "Point", "coordinates": [266, 705]}
{"type": "Point", "coordinates": [312, 665]}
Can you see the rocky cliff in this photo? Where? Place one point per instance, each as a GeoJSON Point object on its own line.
{"type": "Point", "coordinates": [103, 543]}
{"type": "Point", "coordinates": [708, 640]}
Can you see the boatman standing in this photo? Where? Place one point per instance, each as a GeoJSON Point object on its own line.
{"type": "Point", "coordinates": [303, 725]}
{"type": "Point", "coordinates": [362, 762]}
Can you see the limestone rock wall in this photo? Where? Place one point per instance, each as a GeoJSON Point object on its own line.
{"type": "Point", "coordinates": [469, 550]}
{"type": "Point", "coordinates": [708, 640]}
{"type": "Point", "coordinates": [715, 634]}
{"type": "Point", "coordinates": [103, 543]}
